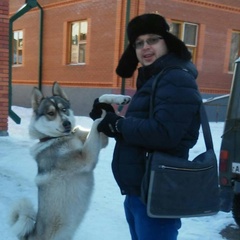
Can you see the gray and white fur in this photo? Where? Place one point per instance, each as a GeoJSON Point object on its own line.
{"type": "Point", "coordinates": [66, 157]}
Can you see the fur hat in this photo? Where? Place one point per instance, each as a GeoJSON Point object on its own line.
{"type": "Point", "coordinates": [148, 24]}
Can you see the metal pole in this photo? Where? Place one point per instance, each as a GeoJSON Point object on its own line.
{"type": "Point", "coordinates": [40, 48]}
{"type": "Point", "coordinates": [125, 46]}
{"type": "Point", "coordinates": [11, 113]}
{"type": "Point", "coordinates": [20, 12]}
{"type": "Point", "coordinates": [126, 41]}
{"type": "Point", "coordinates": [25, 8]}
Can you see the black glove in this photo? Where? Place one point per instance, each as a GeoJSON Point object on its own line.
{"type": "Point", "coordinates": [98, 107]}
{"type": "Point", "coordinates": [109, 125]}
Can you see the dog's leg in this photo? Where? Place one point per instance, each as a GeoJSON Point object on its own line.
{"type": "Point", "coordinates": [93, 144]}
{"type": "Point", "coordinates": [81, 133]}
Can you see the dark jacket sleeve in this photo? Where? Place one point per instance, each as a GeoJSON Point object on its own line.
{"type": "Point", "coordinates": [175, 110]}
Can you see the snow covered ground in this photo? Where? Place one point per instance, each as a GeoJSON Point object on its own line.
{"type": "Point", "coordinates": [105, 219]}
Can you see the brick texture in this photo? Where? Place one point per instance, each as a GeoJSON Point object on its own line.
{"type": "Point", "coordinates": [105, 43]}
{"type": "Point", "coordinates": [4, 12]}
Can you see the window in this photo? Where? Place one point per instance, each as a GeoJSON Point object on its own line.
{"type": "Point", "coordinates": [188, 33]}
{"type": "Point", "coordinates": [235, 50]}
{"type": "Point", "coordinates": [17, 47]}
{"type": "Point", "coordinates": [78, 42]}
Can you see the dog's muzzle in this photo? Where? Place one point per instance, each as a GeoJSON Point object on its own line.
{"type": "Point", "coordinates": [67, 126]}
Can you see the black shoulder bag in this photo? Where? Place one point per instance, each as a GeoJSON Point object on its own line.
{"type": "Point", "coordinates": [174, 187]}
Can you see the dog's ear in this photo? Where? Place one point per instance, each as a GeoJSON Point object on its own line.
{"type": "Point", "coordinates": [37, 97]}
{"type": "Point", "coordinates": [58, 91]}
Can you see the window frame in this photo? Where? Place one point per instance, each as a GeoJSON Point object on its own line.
{"type": "Point", "coordinates": [20, 48]}
{"type": "Point", "coordinates": [231, 61]}
{"type": "Point", "coordinates": [79, 42]}
{"type": "Point", "coordinates": [181, 35]}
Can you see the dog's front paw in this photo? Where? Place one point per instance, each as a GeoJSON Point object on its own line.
{"type": "Point", "coordinates": [122, 99]}
{"type": "Point", "coordinates": [95, 123]}
{"type": "Point", "coordinates": [115, 99]}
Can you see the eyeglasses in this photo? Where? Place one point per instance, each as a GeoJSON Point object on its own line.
{"type": "Point", "coordinates": [139, 44]}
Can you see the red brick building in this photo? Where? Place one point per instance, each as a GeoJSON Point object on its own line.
{"type": "Point", "coordinates": [83, 40]}
{"type": "Point", "coordinates": [4, 6]}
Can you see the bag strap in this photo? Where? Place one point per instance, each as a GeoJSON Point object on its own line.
{"type": "Point", "coordinates": [206, 128]}
{"type": "Point", "coordinates": [203, 116]}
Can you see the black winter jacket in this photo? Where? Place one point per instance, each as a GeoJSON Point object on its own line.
{"type": "Point", "coordinates": [173, 129]}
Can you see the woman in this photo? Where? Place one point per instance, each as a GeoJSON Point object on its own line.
{"type": "Point", "coordinates": [175, 123]}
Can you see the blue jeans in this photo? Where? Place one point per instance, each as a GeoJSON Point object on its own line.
{"type": "Point", "coordinates": [143, 227]}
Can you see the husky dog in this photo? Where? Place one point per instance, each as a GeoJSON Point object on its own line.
{"type": "Point", "coordinates": [66, 157]}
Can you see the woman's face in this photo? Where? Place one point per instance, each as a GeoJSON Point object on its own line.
{"type": "Point", "coordinates": [149, 48]}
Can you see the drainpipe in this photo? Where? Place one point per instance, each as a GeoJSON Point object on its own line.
{"type": "Point", "coordinates": [125, 46]}
{"type": "Point", "coordinates": [25, 8]}
{"type": "Point", "coordinates": [40, 48]}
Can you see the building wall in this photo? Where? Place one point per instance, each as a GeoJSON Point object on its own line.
{"type": "Point", "coordinates": [216, 18]}
{"type": "Point", "coordinates": [97, 76]}
{"type": "Point", "coordinates": [4, 7]}
{"type": "Point", "coordinates": [101, 43]}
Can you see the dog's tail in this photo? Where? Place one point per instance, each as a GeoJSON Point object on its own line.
{"type": "Point", "coordinates": [23, 218]}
